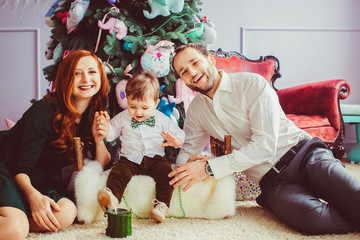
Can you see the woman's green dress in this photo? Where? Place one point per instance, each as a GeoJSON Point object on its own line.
{"type": "Point", "coordinates": [26, 148]}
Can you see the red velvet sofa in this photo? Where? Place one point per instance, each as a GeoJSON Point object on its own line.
{"type": "Point", "coordinates": [313, 107]}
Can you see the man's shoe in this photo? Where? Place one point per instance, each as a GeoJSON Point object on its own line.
{"type": "Point", "coordinates": [107, 199]}
{"type": "Point", "coordinates": [159, 211]}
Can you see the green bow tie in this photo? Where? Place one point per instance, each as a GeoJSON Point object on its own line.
{"type": "Point", "coordinates": [150, 122]}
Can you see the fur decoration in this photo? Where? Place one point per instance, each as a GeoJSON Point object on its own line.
{"type": "Point", "coordinates": [87, 184]}
{"type": "Point", "coordinates": [210, 199]}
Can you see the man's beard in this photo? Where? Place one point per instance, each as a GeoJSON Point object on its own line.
{"type": "Point", "coordinates": [205, 90]}
{"type": "Point", "coordinates": [209, 84]}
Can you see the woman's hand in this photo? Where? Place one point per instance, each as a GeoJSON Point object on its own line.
{"type": "Point", "coordinates": [42, 211]}
{"type": "Point", "coordinates": [100, 127]}
{"type": "Point", "coordinates": [192, 171]}
{"type": "Point", "coordinates": [41, 206]}
{"type": "Point", "coordinates": [170, 140]}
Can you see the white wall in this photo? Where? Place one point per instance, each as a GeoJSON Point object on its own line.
{"type": "Point", "coordinates": [314, 40]}
{"type": "Point", "coordinates": [23, 37]}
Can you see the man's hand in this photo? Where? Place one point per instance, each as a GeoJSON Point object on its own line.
{"type": "Point", "coordinates": [192, 171]}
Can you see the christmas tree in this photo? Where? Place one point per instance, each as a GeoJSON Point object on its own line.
{"type": "Point", "coordinates": [126, 35]}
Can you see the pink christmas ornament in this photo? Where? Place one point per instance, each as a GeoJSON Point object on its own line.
{"type": "Point", "coordinates": [156, 58]}
{"type": "Point", "coordinates": [120, 88]}
{"type": "Point", "coordinates": [183, 94]}
{"type": "Point", "coordinates": [114, 24]}
{"type": "Point", "coordinates": [120, 93]}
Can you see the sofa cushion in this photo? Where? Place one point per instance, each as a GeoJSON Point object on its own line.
{"type": "Point", "coordinates": [235, 64]}
{"type": "Point", "coordinates": [316, 126]}
{"type": "Point", "coordinates": [327, 134]}
{"type": "Point", "coordinates": [306, 121]}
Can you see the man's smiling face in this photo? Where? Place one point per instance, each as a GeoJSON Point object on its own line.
{"type": "Point", "coordinates": [197, 70]}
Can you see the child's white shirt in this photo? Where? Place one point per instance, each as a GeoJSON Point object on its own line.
{"type": "Point", "coordinates": [144, 140]}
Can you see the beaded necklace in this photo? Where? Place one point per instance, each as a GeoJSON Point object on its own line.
{"type": "Point", "coordinates": [178, 217]}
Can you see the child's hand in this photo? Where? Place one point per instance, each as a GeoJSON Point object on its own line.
{"type": "Point", "coordinates": [170, 140]}
{"type": "Point", "coordinates": [100, 126]}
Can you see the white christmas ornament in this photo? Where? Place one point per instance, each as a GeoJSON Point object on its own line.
{"type": "Point", "coordinates": [209, 32]}
{"type": "Point", "coordinates": [76, 13]}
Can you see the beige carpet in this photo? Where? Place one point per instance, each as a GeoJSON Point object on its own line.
{"type": "Point", "coordinates": [250, 222]}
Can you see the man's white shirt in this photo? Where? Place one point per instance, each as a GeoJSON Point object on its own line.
{"type": "Point", "coordinates": [247, 108]}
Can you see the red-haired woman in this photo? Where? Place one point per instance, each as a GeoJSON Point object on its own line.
{"type": "Point", "coordinates": [34, 152]}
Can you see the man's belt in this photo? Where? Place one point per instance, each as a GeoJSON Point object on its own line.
{"type": "Point", "coordinates": [283, 162]}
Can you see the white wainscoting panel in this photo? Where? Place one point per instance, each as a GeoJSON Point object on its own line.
{"type": "Point", "coordinates": [20, 74]}
{"type": "Point", "coordinates": [307, 55]}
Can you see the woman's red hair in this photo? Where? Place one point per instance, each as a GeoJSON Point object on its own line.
{"type": "Point", "coordinates": [64, 119]}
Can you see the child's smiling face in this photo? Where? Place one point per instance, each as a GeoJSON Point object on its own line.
{"type": "Point", "coordinates": [141, 109]}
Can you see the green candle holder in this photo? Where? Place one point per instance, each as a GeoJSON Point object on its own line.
{"type": "Point", "coordinates": [119, 223]}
